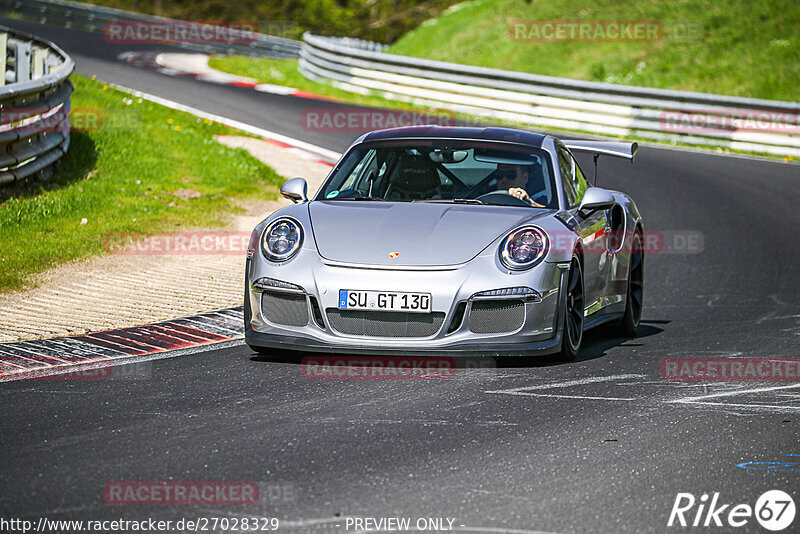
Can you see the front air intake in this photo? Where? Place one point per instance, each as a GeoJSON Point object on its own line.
{"type": "Point", "coordinates": [288, 309]}
{"type": "Point", "coordinates": [384, 324]}
{"type": "Point", "coordinates": [496, 316]}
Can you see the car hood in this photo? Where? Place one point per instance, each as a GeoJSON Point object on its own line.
{"type": "Point", "coordinates": [405, 233]}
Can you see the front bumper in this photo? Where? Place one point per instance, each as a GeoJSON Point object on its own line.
{"type": "Point", "coordinates": [538, 333]}
{"type": "Point", "coordinates": [258, 340]}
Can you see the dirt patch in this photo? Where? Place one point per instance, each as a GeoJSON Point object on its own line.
{"type": "Point", "coordinates": [186, 194]}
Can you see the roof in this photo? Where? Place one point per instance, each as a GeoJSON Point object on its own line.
{"type": "Point", "coordinates": [507, 135]}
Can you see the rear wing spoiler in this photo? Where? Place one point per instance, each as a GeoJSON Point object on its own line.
{"type": "Point", "coordinates": [617, 149]}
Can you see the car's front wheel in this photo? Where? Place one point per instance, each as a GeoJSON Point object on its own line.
{"type": "Point", "coordinates": [573, 312]}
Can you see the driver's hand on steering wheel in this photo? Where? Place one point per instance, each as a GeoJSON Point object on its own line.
{"type": "Point", "coordinates": [523, 195]}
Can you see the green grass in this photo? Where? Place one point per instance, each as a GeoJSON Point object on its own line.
{"type": "Point", "coordinates": [285, 72]}
{"type": "Point", "coordinates": [748, 48]}
{"type": "Point", "coordinates": [277, 72]}
{"type": "Point", "coordinates": [122, 177]}
{"type": "Point", "coordinates": [378, 20]}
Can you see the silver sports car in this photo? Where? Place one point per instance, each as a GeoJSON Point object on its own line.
{"type": "Point", "coordinates": [445, 241]}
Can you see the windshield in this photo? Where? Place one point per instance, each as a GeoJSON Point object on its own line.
{"type": "Point", "coordinates": [459, 172]}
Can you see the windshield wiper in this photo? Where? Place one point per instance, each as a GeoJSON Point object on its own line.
{"type": "Point", "coordinates": [454, 201]}
{"type": "Point", "coordinates": [357, 198]}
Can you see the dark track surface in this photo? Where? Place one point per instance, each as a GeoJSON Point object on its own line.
{"type": "Point", "coordinates": [546, 461]}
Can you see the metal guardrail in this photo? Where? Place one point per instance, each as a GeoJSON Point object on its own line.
{"type": "Point", "coordinates": [34, 105]}
{"type": "Point", "coordinates": [96, 18]}
{"type": "Point", "coordinates": [562, 103]}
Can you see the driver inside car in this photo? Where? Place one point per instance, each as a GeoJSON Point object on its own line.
{"type": "Point", "coordinates": [514, 180]}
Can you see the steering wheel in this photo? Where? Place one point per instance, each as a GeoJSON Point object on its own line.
{"type": "Point", "coordinates": [540, 194]}
{"type": "Point", "coordinates": [502, 197]}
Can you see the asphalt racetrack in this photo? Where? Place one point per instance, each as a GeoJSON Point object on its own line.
{"type": "Point", "coordinates": [603, 444]}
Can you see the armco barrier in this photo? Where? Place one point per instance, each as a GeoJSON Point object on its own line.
{"type": "Point", "coordinates": [96, 18]}
{"type": "Point", "coordinates": [602, 108]}
{"type": "Point", "coordinates": [34, 105]}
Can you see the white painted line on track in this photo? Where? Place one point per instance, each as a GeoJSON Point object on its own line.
{"type": "Point", "coordinates": [567, 383]}
{"type": "Point", "coordinates": [557, 396]}
{"type": "Point", "coordinates": [274, 89]}
{"type": "Point", "coordinates": [704, 400]}
{"type": "Point", "coordinates": [770, 407]}
{"type": "Point", "coordinates": [733, 393]}
{"type": "Point", "coordinates": [329, 155]}
{"type": "Point", "coordinates": [709, 400]}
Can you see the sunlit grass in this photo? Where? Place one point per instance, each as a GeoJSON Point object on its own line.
{"type": "Point", "coordinates": [141, 169]}
{"type": "Point", "coordinates": [747, 48]}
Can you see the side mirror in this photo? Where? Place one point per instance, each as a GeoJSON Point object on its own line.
{"type": "Point", "coordinates": [295, 190]}
{"type": "Point", "coordinates": [596, 198]}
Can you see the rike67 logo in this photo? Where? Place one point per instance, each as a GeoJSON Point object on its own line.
{"type": "Point", "coordinates": [774, 510]}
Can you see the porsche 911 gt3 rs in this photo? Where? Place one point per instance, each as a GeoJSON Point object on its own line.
{"type": "Point", "coordinates": [446, 241]}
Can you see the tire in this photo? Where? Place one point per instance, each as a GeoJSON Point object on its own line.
{"type": "Point", "coordinates": [629, 323]}
{"type": "Point", "coordinates": [572, 335]}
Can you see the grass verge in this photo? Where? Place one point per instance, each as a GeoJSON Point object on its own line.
{"type": "Point", "coordinates": [748, 48]}
{"type": "Point", "coordinates": [285, 72]}
{"type": "Point", "coordinates": [140, 169]}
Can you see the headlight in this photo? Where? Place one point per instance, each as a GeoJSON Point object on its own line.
{"type": "Point", "coordinates": [282, 239]}
{"type": "Point", "coordinates": [523, 248]}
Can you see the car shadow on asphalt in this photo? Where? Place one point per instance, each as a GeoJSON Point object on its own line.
{"type": "Point", "coordinates": [596, 344]}
{"type": "Point", "coordinates": [598, 341]}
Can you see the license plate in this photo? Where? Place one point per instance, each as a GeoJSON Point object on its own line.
{"type": "Point", "coordinates": [350, 299]}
